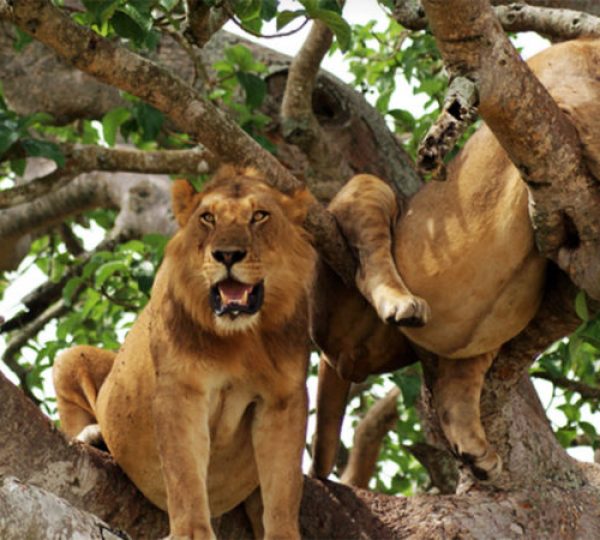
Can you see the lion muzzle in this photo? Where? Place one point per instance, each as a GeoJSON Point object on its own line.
{"type": "Point", "coordinates": [231, 297]}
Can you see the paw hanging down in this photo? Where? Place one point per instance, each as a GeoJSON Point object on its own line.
{"type": "Point", "coordinates": [486, 467]}
{"type": "Point", "coordinates": [396, 307]}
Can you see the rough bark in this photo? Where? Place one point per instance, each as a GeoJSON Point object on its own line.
{"type": "Point", "coordinates": [37, 454]}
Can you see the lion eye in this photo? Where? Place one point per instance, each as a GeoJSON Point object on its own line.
{"type": "Point", "coordinates": [207, 217]}
{"type": "Point", "coordinates": [259, 215]}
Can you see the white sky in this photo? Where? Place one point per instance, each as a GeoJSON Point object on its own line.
{"type": "Point", "coordinates": [355, 12]}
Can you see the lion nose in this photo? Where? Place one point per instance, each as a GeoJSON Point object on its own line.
{"type": "Point", "coordinates": [228, 258]}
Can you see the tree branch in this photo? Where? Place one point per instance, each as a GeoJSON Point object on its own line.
{"type": "Point", "coordinates": [203, 21]}
{"type": "Point", "coordinates": [189, 110]}
{"type": "Point", "coordinates": [559, 24]}
{"type": "Point", "coordinates": [559, 20]}
{"type": "Point", "coordinates": [539, 138]}
{"type": "Point", "coordinates": [458, 113]}
{"type": "Point", "coordinates": [584, 390]}
{"type": "Point", "coordinates": [328, 168]}
{"type": "Point", "coordinates": [368, 438]}
{"type": "Point", "coordinates": [80, 159]}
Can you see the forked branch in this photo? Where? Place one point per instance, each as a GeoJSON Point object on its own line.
{"type": "Point", "coordinates": [190, 111]}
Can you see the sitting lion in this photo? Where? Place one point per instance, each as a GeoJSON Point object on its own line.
{"type": "Point", "coordinates": [206, 399]}
{"type": "Point", "coordinates": [466, 248]}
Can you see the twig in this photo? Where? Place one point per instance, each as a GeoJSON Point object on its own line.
{"type": "Point", "coordinates": [19, 340]}
{"type": "Point", "coordinates": [38, 300]}
{"type": "Point", "coordinates": [584, 390]}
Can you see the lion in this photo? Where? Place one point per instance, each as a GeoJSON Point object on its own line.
{"type": "Point", "coordinates": [205, 404]}
{"type": "Point", "coordinates": [458, 270]}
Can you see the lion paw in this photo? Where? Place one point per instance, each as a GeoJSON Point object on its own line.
{"type": "Point", "coordinates": [400, 308]}
{"type": "Point", "coordinates": [487, 467]}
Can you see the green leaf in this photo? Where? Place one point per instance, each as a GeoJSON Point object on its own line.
{"type": "Point", "coordinates": [8, 136]}
{"type": "Point", "coordinates": [341, 29]}
{"type": "Point", "coordinates": [247, 9]}
{"type": "Point", "coordinates": [330, 5]}
{"type": "Point", "coordinates": [37, 148]}
{"type": "Point", "coordinates": [255, 88]}
{"type": "Point", "coordinates": [168, 5]}
{"type": "Point", "coordinates": [70, 288]}
{"type": "Point", "coordinates": [111, 122]}
{"type": "Point", "coordinates": [127, 27]}
{"type": "Point", "coordinates": [268, 9]}
{"type": "Point", "coordinates": [22, 39]}
{"type": "Point", "coordinates": [286, 17]}
{"type": "Point", "coordinates": [149, 119]}
{"type": "Point", "coordinates": [410, 386]}
{"type": "Point", "coordinates": [107, 270]}
{"type": "Point", "coordinates": [101, 10]}
{"type": "Point", "coordinates": [241, 57]}
{"type": "Point", "coordinates": [581, 306]}
{"type": "Point", "coordinates": [18, 166]}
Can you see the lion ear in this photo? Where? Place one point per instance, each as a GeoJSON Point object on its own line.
{"type": "Point", "coordinates": [296, 206]}
{"type": "Point", "coordinates": [184, 200]}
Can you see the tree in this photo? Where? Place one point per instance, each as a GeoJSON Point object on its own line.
{"type": "Point", "coordinates": [167, 108]}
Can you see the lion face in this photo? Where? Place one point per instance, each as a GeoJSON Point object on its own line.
{"type": "Point", "coordinates": [241, 254]}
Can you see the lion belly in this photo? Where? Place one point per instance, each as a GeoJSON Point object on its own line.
{"type": "Point", "coordinates": [467, 248]}
{"type": "Point", "coordinates": [124, 411]}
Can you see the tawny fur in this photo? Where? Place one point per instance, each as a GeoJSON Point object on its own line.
{"type": "Point", "coordinates": [466, 248]}
{"type": "Point", "coordinates": [197, 409]}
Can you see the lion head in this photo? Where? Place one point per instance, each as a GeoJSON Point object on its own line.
{"type": "Point", "coordinates": [241, 255]}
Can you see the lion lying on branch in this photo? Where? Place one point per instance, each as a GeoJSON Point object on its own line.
{"type": "Point", "coordinates": [465, 246]}
{"type": "Point", "coordinates": [206, 399]}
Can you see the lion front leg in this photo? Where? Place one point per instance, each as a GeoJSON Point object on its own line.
{"type": "Point", "coordinates": [366, 210]}
{"type": "Point", "coordinates": [278, 435]}
{"type": "Point", "coordinates": [181, 424]}
{"type": "Point", "coordinates": [456, 396]}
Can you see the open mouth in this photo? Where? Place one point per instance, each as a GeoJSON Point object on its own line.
{"type": "Point", "coordinates": [233, 297]}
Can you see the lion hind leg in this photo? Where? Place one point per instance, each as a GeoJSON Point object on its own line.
{"type": "Point", "coordinates": [332, 395]}
{"type": "Point", "coordinates": [456, 395]}
{"type": "Point", "coordinates": [366, 210]}
{"type": "Point", "coordinates": [78, 374]}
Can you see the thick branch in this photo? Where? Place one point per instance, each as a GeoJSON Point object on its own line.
{"type": "Point", "coordinates": [190, 111]}
{"type": "Point", "coordinates": [560, 24]}
{"type": "Point", "coordinates": [368, 438]}
{"type": "Point", "coordinates": [36, 453]}
{"type": "Point", "coordinates": [298, 122]}
{"type": "Point", "coordinates": [563, 22]}
{"type": "Point", "coordinates": [80, 159]}
{"type": "Point", "coordinates": [538, 137]}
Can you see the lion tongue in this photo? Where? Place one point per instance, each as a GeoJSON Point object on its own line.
{"type": "Point", "coordinates": [234, 292]}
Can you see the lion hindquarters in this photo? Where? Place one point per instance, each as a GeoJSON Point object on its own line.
{"type": "Point", "coordinates": [78, 374]}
